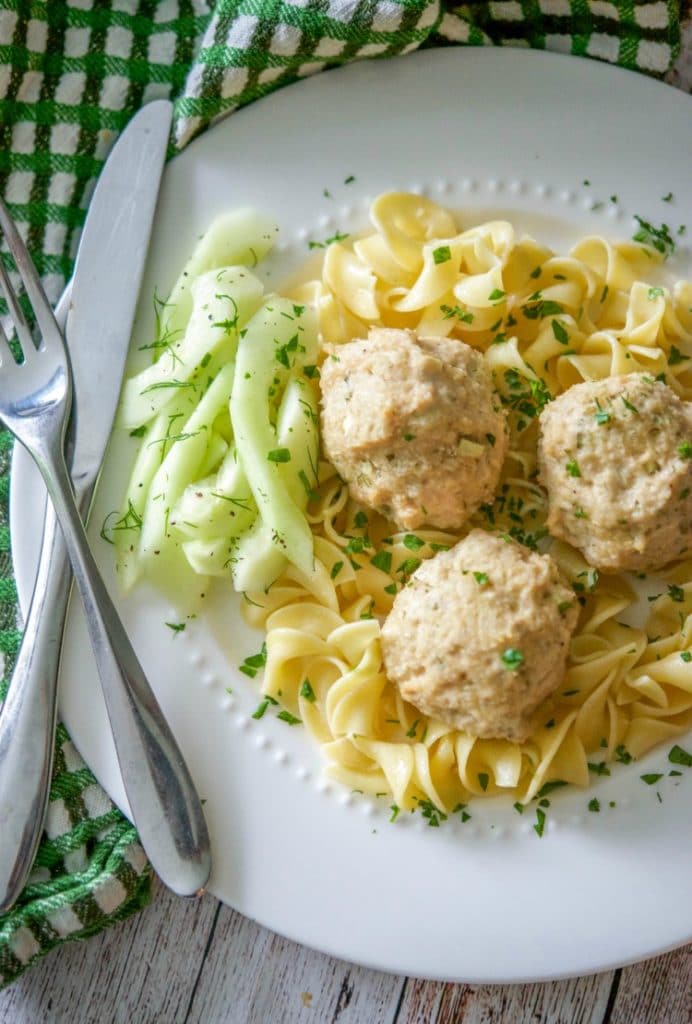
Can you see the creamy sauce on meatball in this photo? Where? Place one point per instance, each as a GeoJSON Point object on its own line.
{"type": "Point", "coordinates": [480, 636]}
{"type": "Point", "coordinates": [413, 426]}
{"type": "Point", "coordinates": [615, 457]}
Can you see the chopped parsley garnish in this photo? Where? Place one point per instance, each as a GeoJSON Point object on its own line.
{"type": "Point", "coordinates": [572, 468]}
{"type": "Point", "coordinates": [679, 756]}
{"type": "Point", "coordinates": [461, 314]}
{"type": "Point", "coordinates": [282, 354]}
{"type": "Point", "coordinates": [599, 768]}
{"type": "Point", "coordinates": [622, 754]}
{"type": "Point", "coordinates": [442, 254]}
{"type": "Point", "coordinates": [412, 542]}
{"type": "Point", "coordinates": [564, 606]}
{"type": "Point", "coordinates": [286, 716]}
{"type": "Point", "coordinates": [411, 733]}
{"type": "Point", "coordinates": [658, 238]}
{"type": "Point", "coordinates": [651, 778]}
{"type": "Point", "coordinates": [337, 237]}
{"type": "Point", "coordinates": [311, 371]}
{"type": "Point", "coordinates": [496, 294]}
{"type": "Point", "coordinates": [628, 405]}
{"type": "Point", "coordinates": [261, 708]}
{"type": "Point", "coordinates": [540, 308]}
{"type": "Point", "coordinates": [336, 569]}
{"type": "Point", "coordinates": [432, 814]}
{"type": "Point", "coordinates": [279, 455]}
{"type": "Point", "coordinates": [254, 662]}
{"type": "Point", "coordinates": [540, 822]}
{"type": "Point", "coordinates": [686, 656]}
{"type": "Point", "coordinates": [408, 566]}
{"type": "Point", "coordinates": [460, 809]}
{"type": "Point", "coordinates": [390, 588]}
{"type": "Point", "coordinates": [138, 431]}
{"type": "Point", "coordinates": [490, 438]}
{"type": "Point", "coordinates": [594, 806]}
{"type": "Point", "coordinates": [483, 780]}
{"type": "Point", "coordinates": [307, 691]}
{"type": "Point", "coordinates": [676, 356]}
{"type": "Point", "coordinates": [549, 787]}
{"type": "Point", "coordinates": [579, 513]}
{"type": "Point", "coordinates": [382, 560]}
{"type": "Point", "coordinates": [527, 398]}
{"type": "Point", "coordinates": [559, 332]}
{"type": "Point", "coordinates": [395, 812]}
{"type": "Point", "coordinates": [357, 545]}
{"type": "Point", "coordinates": [685, 450]}
{"type": "Point", "coordinates": [676, 593]}
{"type": "Point", "coordinates": [512, 658]}
{"type": "Point", "coordinates": [655, 293]}
{"type": "Point", "coordinates": [481, 578]}
{"type": "Point", "coordinates": [519, 808]}
{"type": "Point", "coordinates": [176, 627]}
{"type": "Point", "coordinates": [601, 416]}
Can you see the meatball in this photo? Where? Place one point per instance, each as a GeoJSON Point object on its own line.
{"type": "Point", "coordinates": [412, 425]}
{"type": "Point", "coordinates": [615, 457]}
{"type": "Point", "coordinates": [480, 636]}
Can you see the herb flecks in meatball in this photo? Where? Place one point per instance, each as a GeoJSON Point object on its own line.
{"type": "Point", "coordinates": [615, 457]}
{"type": "Point", "coordinates": [480, 636]}
{"type": "Point", "coordinates": [413, 426]}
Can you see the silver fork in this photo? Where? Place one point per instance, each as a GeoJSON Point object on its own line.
{"type": "Point", "coordinates": [35, 402]}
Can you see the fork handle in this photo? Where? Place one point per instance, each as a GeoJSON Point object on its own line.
{"type": "Point", "coordinates": [27, 722]}
{"type": "Point", "coordinates": [165, 807]}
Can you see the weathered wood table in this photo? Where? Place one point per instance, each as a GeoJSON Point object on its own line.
{"type": "Point", "coordinates": [201, 963]}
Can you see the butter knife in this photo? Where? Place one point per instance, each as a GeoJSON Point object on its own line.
{"type": "Point", "coordinates": [99, 310]}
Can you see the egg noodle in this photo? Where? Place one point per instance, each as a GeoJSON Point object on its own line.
{"type": "Point", "coordinates": [237, 490]}
{"type": "Point", "coordinates": [544, 322]}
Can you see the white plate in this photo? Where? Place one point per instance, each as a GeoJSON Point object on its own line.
{"type": "Point", "coordinates": [509, 132]}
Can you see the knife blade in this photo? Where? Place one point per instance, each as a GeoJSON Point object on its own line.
{"type": "Point", "coordinates": [99, 322]}
{"type": "Point", "coordinates": [110, 264]}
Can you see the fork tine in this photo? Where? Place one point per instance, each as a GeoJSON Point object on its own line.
{"type": "Point", "coordinates": [32, 283]}
{"type": "Point", "coordinates": [20, 325]}
{"type": "Point", "coordinates": [6, 354]}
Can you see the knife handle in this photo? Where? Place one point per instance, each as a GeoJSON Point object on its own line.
{"type": "Point", "coordinates": [27, 722]}
{"type": "Point", "coordinates": [164, 805]}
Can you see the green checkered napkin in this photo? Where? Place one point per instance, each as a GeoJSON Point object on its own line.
{"type": "Point", "coordinates": [71, 76]}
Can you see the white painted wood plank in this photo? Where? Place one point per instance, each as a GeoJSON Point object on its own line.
{"type": "Point", "coordinates": [141, 971]}
{"type": "Point", "coordinates": [576, 1001]}
{"type": "Point", "coordinates": [658, 991]}
{"type": "Point", "coordinates": [252, 976]}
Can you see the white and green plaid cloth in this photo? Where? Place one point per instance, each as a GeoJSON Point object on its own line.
{"type": "Point", "coordinates": [71, 76]}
